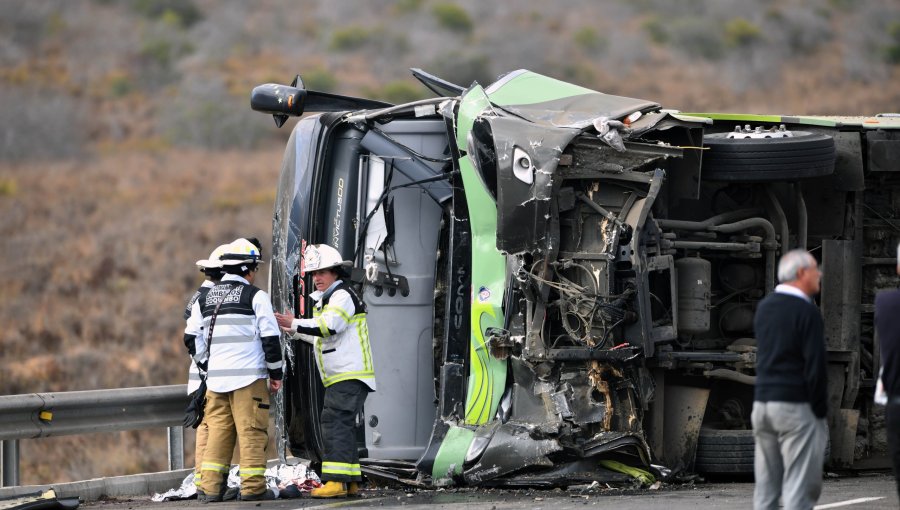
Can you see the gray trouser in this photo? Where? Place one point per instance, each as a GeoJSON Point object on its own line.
{"type": "Point", "coordinates": [789, 455]}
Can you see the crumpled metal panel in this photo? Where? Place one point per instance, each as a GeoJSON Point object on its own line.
{"type": "Point", "coordinates": [554, 103]}
{"type": "Point", "coordinates": [511, 449]}
{"type": "Point", "coordinates": [523, 208]}
{"type": "Point", "coordinates": [585, 408]}
{"type": "Point", "coordinates": [531, 405]}
{"type": "Point", "coordinates": [579, 472]}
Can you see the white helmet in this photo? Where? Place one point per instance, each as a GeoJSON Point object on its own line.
{"type": "Point", "coordinates": [213, 261]}
{"type": "Point", "coordinates": [322, 256]}
{"type": "Point", "coordinates": [241, 251]}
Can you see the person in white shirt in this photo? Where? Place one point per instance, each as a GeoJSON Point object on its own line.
{"type": "Point", "coordinates": [242, 354]}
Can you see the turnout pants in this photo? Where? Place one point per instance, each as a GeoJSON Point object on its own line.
{"type": "Point", "coordinates": [242, 414]}
{"type": "Point", "coordinates": [343, 402]}
{"type": "Point", "coordinates": [892, 420]}
{"type": "Point", "coordinates": [789, 455]}
{"type": "Point", "coordinates": [200, 447]}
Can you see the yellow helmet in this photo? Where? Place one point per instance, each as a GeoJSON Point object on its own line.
{"type": "Point", "coordinates": [241, 251]}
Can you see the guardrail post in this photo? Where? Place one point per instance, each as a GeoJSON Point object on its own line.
{"type": "Point", "coordinates": [9, 463]}
{"type": "Point", "coordinates": [176, 448]}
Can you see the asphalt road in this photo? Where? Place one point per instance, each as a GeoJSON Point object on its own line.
{"type": "Point", "coordinates": [869, 491]}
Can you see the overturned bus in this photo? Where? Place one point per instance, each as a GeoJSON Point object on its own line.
{"type": "Point", "coordinates": [557, 277]}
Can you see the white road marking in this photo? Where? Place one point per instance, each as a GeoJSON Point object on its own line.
{"type": "Point", "coordinates": [846, 503]}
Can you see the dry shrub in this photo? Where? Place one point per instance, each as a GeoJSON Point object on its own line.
{"type": "Point", "coordinates": [103, 256]}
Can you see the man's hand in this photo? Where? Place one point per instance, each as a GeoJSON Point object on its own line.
{"type": "Point", "coordinates": [284, 320]}
{"type": "Point", "coordinates": [274, 386]}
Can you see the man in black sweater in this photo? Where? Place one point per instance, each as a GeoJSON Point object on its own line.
{"type": "Point", "coordinates": [790, 398]}
{"type": "Point", "coordinates": [887, 326]}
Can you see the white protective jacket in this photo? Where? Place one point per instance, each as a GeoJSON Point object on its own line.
{"type": "Point", "coordinates": [340, 336]}
{"type": "Point", "coordinates": [246, 338]}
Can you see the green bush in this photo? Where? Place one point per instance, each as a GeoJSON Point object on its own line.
{"type": "Point", "coordinates": [319, 79]}
{"type": "Point", "coordinates": [350, 38]}
{"type": "Point", "coordinates": [8, 187]}
{"type": "Point", "coordinates": [589, 39]}
{"type": "Point", "coordinates": [462, 70]}
{"type": "Point", "coordinates": [695, 36]}
{"type": "Point", "coordinates": [892, 50]}
{"type": "Point", "coordinates": [159, 51]}
{"type": "Point", "coordinates": [407, 6]}
{"type": "Point", "coordinates": [158, 58]}
{"type": "Point", "coordinates": [740, 33]}
{"type": "Point", "coordinates": [453, 17]}
{"type": "Point", "coordinates": [398, 92]}
{"type": "Point", "coordinates": [655, 29]}
{"type": "Point", "coordinates": [176, 12]}
{"type": "Point", "coordinates": [120, 86]}
{"type": "Point", "coordinates": [843, 5]}
{"type": "Point", "coordinates": [579, 74]}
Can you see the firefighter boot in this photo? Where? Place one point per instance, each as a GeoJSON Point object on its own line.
{"type": "Point", "coordinates": [263, 496]}
{"type": "Point", "coordinates": [353, 489]}
{"type": "Point", "coordinates": [331, 489]}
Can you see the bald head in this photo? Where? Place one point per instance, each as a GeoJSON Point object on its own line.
{"type": "Point", "coordinates": [799, 269]}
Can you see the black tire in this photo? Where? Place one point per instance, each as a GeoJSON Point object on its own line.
{"type": "Point", "coordinates": [725, 451]}
{"type": "Point", "coordinates": [718, 457]}
{"type": "Point", "coordinates": [726, 437]}
{"type": "Point", "coordinates": [725, 468]}
{"type": "Point", "coordinates": [728, 448]}
{"type": "Point", "coordinates": [803, 156]}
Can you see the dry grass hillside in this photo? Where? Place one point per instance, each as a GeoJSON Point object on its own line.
{"type": "Point", "coordinates": [128, 151]}
{"type": "Point", "coordinates": [101, 255]}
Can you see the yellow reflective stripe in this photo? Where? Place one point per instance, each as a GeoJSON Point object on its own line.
{"type": "Point", "coordinates": [341, 468]}
{"type": "Point", "coordinates": [252, 471]}
{"type": "Point", "coordinates": [348, 375]}
{"type": "Point", "coordinates": [362, 331]}
{"type": "Point", "coordinates": [321, 361]}
{"type": "Point", "coordinates": [362, 345]}
{"type": "Point", "coordinates": [338, 310]}
{"type": "Point", "coordinates": [213, 466]}
{"type": "Point", "coordinates": [323, 328]}
{"type": "Point", "coordinates": [331, 463]}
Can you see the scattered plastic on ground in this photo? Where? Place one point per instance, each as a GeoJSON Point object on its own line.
{"type": "Point", "coordinates": [187, 490]}
{"type": "Point", "coordinates": [286, 481]}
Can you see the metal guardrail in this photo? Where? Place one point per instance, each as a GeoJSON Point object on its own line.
{"type": "Point", "coordinates": [38, 415]}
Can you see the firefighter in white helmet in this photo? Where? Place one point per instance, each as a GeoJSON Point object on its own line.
{"type": "Point", "coordinates": [340, 336]}
{"type": "Point", "coordinates": [212, 269]}
{"type": "Point", "coordinates": [243, 351]}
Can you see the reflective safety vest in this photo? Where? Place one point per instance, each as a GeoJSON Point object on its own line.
{"type": "Point", "coordinates": [343, 351]}
{"type": "Point", "coordinates": [246, 338]}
